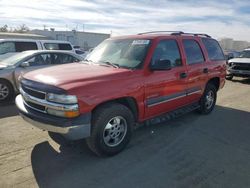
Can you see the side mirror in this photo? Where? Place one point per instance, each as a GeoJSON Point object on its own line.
{"type": "Point", "coordinates": [25, 64]}
{"type": "Point", "coordinates": [162, 64]}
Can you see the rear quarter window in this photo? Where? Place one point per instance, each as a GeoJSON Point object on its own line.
{"type": "Point", "coordinates": [65, 46]}
{"type": "Point", "coordinates": [214, 50]}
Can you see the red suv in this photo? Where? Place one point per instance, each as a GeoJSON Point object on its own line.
{"type": "Point", "coordinates": [124, 81]}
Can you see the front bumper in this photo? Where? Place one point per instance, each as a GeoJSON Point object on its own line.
{"type": "Point", "coordinates": [72, 129]}
{"type": "Point", "coordinates": [240, 73]}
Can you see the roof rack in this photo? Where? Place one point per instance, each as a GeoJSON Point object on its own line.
{"type": "Point", "coordinates": [152, 32]}
{"type": "Point", "coordinates": [176, 33]}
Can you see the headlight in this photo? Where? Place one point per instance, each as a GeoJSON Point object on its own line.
{"type": "Point", "coordinates": [63, 99]}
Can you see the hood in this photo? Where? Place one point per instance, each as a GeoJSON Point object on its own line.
{"type": "Point", "coordinates": [239, 60]}
{"type": "Point", "coordinates": [7, 55]}
{"type": "Point", "coordinates": [75, 74]}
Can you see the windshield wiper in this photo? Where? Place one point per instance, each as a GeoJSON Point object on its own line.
{"type": "Point", "coordinates": [109, 63]}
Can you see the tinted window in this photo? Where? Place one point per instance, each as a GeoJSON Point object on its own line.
{"type": "Point", "coordinates": [56, 46]}
{"type": "Point", "coordinates": [213, 49]}
{"type": "Point", "coordinates": [167, 50]}
{"type": "Point", "coordinates": [7, 47]}
{"type": "Point", "coordinates": [41, 59]}
{"type": "Point", "coordinates": [24, 46]}
{"type": "Point", "coordinates": [51, 46]}
{"type": "Point", "coordinates": [65, 46]}
{"type": "Point", "coordinates": [193, 52]}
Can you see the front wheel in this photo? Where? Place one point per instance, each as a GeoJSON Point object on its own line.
{"type": "Point", "coordinates": [6, 91]}
{"type": "Point", "coordinates": [208, 100]}
{"type": "Point", "coordinates": [112, 126]}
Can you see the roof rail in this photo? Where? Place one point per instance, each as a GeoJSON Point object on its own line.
{"type": "Point", "coordinates": [152, 32]}
{"type": "Point", "coordinates": [198, 34]}
{"type": "Point", "coordinates": [176, 33]}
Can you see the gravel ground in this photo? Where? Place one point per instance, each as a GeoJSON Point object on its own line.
{"type": "Point", "coordinates": [190, 151]}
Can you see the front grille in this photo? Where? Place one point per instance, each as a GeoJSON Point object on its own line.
{"type": "Point", "coordinates": [36, 106]}
{"type": "Point", "coordinates": [28, 92]}
{"type": "Point", "coordinates": [241, 66]}
{"type": "Point", "coordinates": [34, 92]}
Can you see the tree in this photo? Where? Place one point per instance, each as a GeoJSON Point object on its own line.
{"type": "Point", "coordinates": [21, 29]}
{"type": "Point", "coordinates": [4, 28]}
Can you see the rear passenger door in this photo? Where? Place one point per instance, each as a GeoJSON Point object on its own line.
{"type": "Point", "coordinates": [196, 68]}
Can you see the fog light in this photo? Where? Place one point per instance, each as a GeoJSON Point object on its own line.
{"type": "Point", "coordinates": [67, 114]}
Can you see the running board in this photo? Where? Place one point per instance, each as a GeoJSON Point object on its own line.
{"type": "Point", "coordinates": [173, 114]}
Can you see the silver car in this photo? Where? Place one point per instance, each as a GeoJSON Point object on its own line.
{"type": "Point", "coordinates": [16, 65]}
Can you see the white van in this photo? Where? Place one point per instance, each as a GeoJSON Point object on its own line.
{"type": "Point", "coordinates": [9, 47]}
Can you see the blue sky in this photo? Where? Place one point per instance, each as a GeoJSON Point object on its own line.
{"type": "Point", "coordinates": [219, 18]}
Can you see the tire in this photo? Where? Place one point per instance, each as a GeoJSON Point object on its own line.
{"type": "Point", "coordinates": [208, 100]}
{"type": "Point", "coordinates": [6, 91]}
{"type": "Point", "coordinates": [112, 126]}
{"type": "Point", "coordinates": [229, 77]}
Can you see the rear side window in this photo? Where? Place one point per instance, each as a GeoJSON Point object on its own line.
{"type": "Point", "coordinates": [56, 46]}
{"type": "Point", "coordinates": [193, 51]}
{"type": "Point", "coordinates": [167, 50]}
{"type": "Point", "coordinates": [7, 47]}
{"type": "Point", "coordinates": [65, 46]}
{"type": "Point", "coordinates": [64, 58]}
{"type": "Point", "coordinates": [24, 46]}
{"type": "Point", "coordinates": [213, 49]}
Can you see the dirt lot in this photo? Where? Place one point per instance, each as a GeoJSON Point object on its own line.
{"type": "Point", "coordinates": [190, 151]}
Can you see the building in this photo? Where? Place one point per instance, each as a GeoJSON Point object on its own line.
{"type": "Point", "coordinates": [230, 44]}
{"type": "Point", "coordinates": [6, 35]}
{"type": "Point", "coordinates": [85, 40]}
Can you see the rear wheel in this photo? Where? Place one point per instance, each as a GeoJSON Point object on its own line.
{"type": "Point", "coordinates": [111, 129]}
{"type": "Point", "coordinates": [208, 99]}
{"type": "Point", "coordinates": [6, 91]}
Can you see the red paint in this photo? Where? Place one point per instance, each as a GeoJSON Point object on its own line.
{"type": "Point", "coordinates": [94, 84]}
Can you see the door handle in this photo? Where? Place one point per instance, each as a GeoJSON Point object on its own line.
{"type": "Point", "coordinates": [205, 70]}
{"type": "Point", "coordinates": [183, 75]}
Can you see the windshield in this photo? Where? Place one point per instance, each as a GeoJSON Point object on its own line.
{"type": "Point", "coordinates": [126, 53]}
{"type": "Point", "coordinates": [15, 58]}
{"type": "Point", "coordinates": [245, 54]}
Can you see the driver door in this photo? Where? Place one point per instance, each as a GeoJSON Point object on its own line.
{"type": "Point", "coordinates": [165, 90]}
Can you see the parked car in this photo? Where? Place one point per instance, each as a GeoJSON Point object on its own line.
{"type": "Point", "coordinates": [9, 47]}
{"type": "Point", "coordinates": [124, 81]}
{"type": "Point", "coordinates": [230, 54]}
{"type": "Point", "coordinates": [239, 67]}
{"type": "Point", "coordinates": [16, 65]}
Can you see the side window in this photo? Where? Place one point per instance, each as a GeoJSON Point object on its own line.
{"type": "Point", "coordinates": [213, 49]}
{"type": "Point", "coordinates": [24, 46]}
{"type": "Point", "coordinates": [51, 46]}
{"type": "Point", "coordinates": [65, 46]}
{"type": "Point", "coordinates": [167, 50]}
{"type": "Point", "coordinates": [63, 59]}
{"type": "Point", "coordinates": [193, 52]}
{"type": "Point", "coordinates": [40, 59]}
{"type": "Point", "coordinates": [7, 47]}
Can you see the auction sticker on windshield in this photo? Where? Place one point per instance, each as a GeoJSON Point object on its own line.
{"type": "Point", "coordinates": [140, 42]}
